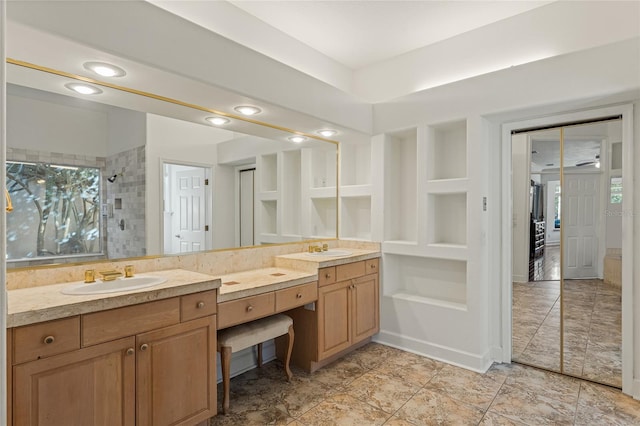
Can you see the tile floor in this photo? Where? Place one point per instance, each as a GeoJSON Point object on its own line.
{"type": "Point", "coordinates": [592, 328]}
{"type": "Point", "coordinates": [378, 385]}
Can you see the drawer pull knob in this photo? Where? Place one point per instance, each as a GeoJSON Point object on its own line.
{"type": "Point", "coordinates": [249, 308]}
{"type": "Point", "coordinates": [299, 296]}
{"type": "Point", "coordinates": [327, 276]}
{"type": "Point", "coordinates": [144, 347]}
{"type": "Point", "coordinates": [49, 340]}
{"type": "Point", "coordinates": [200, 305]}
{"type": "Point", "coordinates": [373, 266]}
{"type": "Point", "coordinates": [130, 351]}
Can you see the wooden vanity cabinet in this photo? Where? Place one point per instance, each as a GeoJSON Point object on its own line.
{"type": "Point", "coordinates": [152, 368]}
{"type": "Point", "coordinates": [346, 314]}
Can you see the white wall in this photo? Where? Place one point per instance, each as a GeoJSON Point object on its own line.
{"type": "Point", "coordinates": [184, 142]}
{"type": "Point", "coordinates": [553, 235]}
{"type": "Point", "coordinates": [538, 89]}
{"type": "Point", "coordinates": [520, 183]}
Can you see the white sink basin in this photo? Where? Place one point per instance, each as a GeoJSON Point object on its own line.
{"type": "Point", "coordinates": [331, 253]}
{"type": "Point", "coordinates": [119, 284]}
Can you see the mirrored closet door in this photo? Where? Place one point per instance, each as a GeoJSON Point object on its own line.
{"type": "Point", "coordinates": [567, 242]}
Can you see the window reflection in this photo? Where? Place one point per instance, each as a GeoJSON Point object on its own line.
{"type": "Point", "coordinates": [56, 210]}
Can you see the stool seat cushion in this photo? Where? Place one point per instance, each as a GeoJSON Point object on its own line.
{"type": "Point", "coordinates": [245, 335]}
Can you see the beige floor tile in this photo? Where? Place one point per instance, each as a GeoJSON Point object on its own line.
{"type": "Point", "coordinates": [531, 407]}
{"type": "Point", "coordinates": [382, 391]}
{"type": "Point", "coordinates": [342, 409]}
{"type": "Point", "coordinates": [466, 386]}
{"type": "Point", "coordinates": [552, 385]}
{"type": "Point", "coordinates": [340, 373]}
{"type": "Point", "coordinates": [434, 408]}
{"type": "Point", "coordinates": [413, 368]}
{"type": "Point", "coordinates": [600, 405]}
{"type": "Point", "coordinates": [395, 421]}
{"type": "Point", "coordinates": [492, 419]}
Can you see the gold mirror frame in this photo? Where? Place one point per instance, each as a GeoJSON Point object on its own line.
{"type": "Point", "coordinates": [177, 102]}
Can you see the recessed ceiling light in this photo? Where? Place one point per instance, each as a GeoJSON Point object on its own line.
{"type": "Point", "coordinates": [84, 89]}
{"type": "Point", "coordinates": [297, 139]}
{"type": "Point", "coordinates": [104, 69]}
{"type": "Point", "coordinates": [217, 121]}
{"type": "Point", "coordinates": [248, 110]}
{"type": "Point", "coordinates": [327, 133]}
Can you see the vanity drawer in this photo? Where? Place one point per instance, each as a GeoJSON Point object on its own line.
{"type": "Point", "coordinates": [247, 309]}
{"type": "Point", "coordinates": [350, 270]}
{"type": "Point", "coordinates": [371, 266]}
{"type": "Point", "coordinates": [326, 276]}
{"type": "Point", "coordinates": [198, 305]}
{"type": "Point", "coordinates": [44, 339]}
{"type": "Point", "coordinates": [293, 297]}
{"type": "Point", "coordinates": [113, 324]}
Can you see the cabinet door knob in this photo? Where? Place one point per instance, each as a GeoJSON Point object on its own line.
{"type": "Point", "coordinates": [299, 296]}
{"type": "Point", "coordinates": [130, 351]}
{"type": "Point", "coordinates": [200, 305]}
{"type": "Point", "coordinates": [49, 340]}
{"type": "Point", "coordinates": [144, 347]}
{"type": "Point", "coordinates": [249, 308]}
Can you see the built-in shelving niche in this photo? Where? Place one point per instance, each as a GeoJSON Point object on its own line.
{"type": "Point", "coordinates": [447, 219]}
{"type": "Point", "coordinates": [268, 167]}
{"type": "Point", "coordinates": [355, 191]}
{"type": "Point", "coordinates": [324, 217]}
{"type": "Point", "coordinates": [441, 282]}
{"type": "Point", "coordinates": [291, 194]}
{"type": "Point", "coordinates": [400, 186]}
{"type": "Point", "coordinates": [268, 216]}
{"type": "Point", "coordinates": [447, 151]}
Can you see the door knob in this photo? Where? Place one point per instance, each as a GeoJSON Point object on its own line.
{"type": "Point", "coordinates": [144, 347]}
{"type": "Point", "coordinates": [178, 236]}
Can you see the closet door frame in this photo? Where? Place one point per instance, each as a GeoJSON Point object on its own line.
{"type": "Point", "coordinates": [504, 244]}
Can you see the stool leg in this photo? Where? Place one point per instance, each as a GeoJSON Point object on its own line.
{"type": "Point", "coordinates": [287, 370]}
{"type": "Point", "coordinates": [260, 355]}
{"type": "Point", "coordinates": [225, 361]}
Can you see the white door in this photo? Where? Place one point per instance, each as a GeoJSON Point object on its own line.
{"type": "Point", "coordinates": [189, 206]}
{"type": "Point", "coordinates": [246, 207]}
{"type": "Point", "coordinates": [580, 224]}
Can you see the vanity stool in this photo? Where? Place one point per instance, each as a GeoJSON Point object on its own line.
{"type": "Point", "coordinates": [253, 333]}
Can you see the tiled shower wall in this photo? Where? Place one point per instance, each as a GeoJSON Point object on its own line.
{"type": "Point", "coordinates": [129, 212]}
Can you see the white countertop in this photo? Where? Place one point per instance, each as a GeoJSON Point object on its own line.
{"type": "Point", "coordinates": [45, 303]}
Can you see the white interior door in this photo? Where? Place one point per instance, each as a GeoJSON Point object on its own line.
{"type": "Point", "coordinates": [189, 207]}
{"type": "Point", "coordinates": [247, 207]}
{"type": "Point", "coordinates": [580, 221]}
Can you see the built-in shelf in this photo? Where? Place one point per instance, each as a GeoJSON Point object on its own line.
{"type": "Point", "coordinates": [429, 301]}
{"type": "Point", "coordinates": [267, 195]}
{"type": "Point", "coordinates": [322, 164]}
{"type": "Point", "coordinates": [436, 281]}
{"type": "Point", "coordinates": [291, 193]}
{"type": "Point", "coordinates": [447, 186]}
{"type": "Point", "coordinates": [355, 164]}
{"type": "Point", "coordinates": [400, 185]}
{"type": "Point", "coordinates": [319, 193]}
{"type": "Point", "coordinates": [268, 168]}
{"type": "Point", "coordinates": [355, 191]}
{"type": "Point", "coordinates": [447, 219]}
{"type": "Point", "coordinates": [355, 219]}
{"type": "Point", "coordinates": [447, 150]}
{"type": "Point", "coordinates": [269, 216]}
{"type": "Point", "coordinates": [323, 217]}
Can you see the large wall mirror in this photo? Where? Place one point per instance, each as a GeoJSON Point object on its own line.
{"type": "Point", "coordinates": [567, 249]}
{"type": "Point", "coordinates": [124, 173]}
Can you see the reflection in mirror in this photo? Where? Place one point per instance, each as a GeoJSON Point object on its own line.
{"type": "Point", "coordinates": [592, 241]}
{"type": "Point", "coordinates": [56, 210]}
{"type": "Point", "coordinates": [567, 312]}
{"type": "Point", "coordinates": [128, 137]}
{"type": "Point", "coordinates": [536, 251]}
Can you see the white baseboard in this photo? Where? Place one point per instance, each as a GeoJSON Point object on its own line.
{"type": "Point", "coordinates": [474, 362]}
{"type": "Point", "coordinates": [246, 359]}
{"type": "Point", "coordinates": [635, 392]}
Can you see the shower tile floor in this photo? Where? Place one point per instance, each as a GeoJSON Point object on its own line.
{"type": "Point", "coordinates": [592, 328]}
{"type": "Point", "coordinates": [380, 385]}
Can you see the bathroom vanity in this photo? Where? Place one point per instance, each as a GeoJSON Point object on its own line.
{"type": "Point", "coordinates": [148, 356]}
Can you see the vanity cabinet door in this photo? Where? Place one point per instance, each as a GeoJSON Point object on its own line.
{"type": "Point", "coordinates": [176, 373]}
{"type": "Point", "coordinates": [89, 386]}
{"type": "Point", "coordinates": [334, 325]}
{"type": "Point", "coordinates": [366, 307]}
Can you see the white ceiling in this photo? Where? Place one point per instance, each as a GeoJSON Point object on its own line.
{"type": "Point", "coordinates": [357, 34]}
